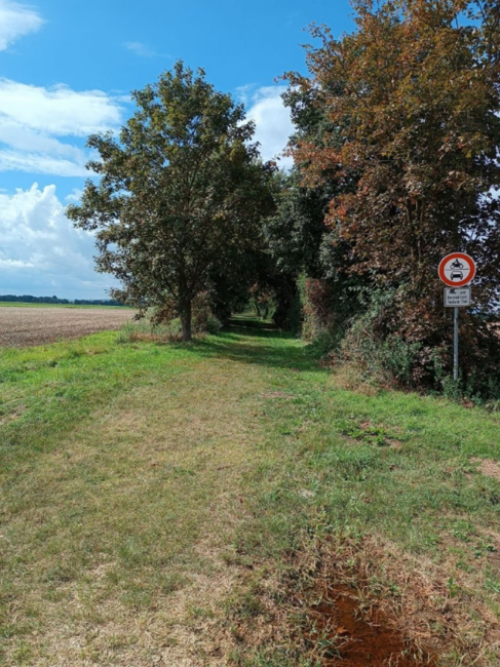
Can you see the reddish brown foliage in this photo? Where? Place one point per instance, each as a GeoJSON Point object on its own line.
{"type": "Point", "coordinates": [317, 307]}
{"type": "Point", "coordinates": [411, 133]}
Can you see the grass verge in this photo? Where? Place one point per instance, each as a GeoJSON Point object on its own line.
{"type": "Point", "coordinates": [196, 505]}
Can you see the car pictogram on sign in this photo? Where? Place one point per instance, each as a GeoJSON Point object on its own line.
{"type": "Point", "coordinates": [457, 269]}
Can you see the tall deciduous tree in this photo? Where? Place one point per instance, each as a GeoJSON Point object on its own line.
{"type": "Point", "coordinates": [181, 191]}
{"type": "Point", "coordinates": [411, 107]}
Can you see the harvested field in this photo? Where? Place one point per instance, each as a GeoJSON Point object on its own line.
{"type": "Point", "coordinates": [22, 327]}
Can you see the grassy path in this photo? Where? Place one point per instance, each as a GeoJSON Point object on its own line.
{"type": "Point", "coordinates": [152, 496]}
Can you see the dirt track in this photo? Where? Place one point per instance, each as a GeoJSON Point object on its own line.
{"type": "Point", "coordinates": [22, 327]}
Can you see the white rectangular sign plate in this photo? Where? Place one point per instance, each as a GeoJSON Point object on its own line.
{"type": "Point", "coordinates": [455, 297]}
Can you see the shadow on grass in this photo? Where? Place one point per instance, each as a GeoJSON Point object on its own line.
{"type": "Point", "coordinates": [245, 341]}
{"type": "Point", "coordinates": [247, 322]}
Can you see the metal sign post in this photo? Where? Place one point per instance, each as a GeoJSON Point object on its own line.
{"type": "Point", "coordinates": [456, 297]}
{"type": "Point", "coordinates": [455, 345]}
{"type": "Point", "coordinates": [456, 271]}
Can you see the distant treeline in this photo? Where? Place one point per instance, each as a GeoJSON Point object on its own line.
{"type": "Point", "coordinates": [27, 298]}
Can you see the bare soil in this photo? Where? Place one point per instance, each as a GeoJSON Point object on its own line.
{"type": "Point", "coordinates": [360, 637]}
{"type": "Point", "coordinates": [488, 468]}
{"type": "Point", "coordinates": [23, 327]}
{"type": "Point", "coordinates": [364, 603]}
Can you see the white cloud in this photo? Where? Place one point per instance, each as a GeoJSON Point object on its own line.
{"type": "Point", "coordinates": [59, 111]}
{"type": "Point", "coordinates": [35, 120]}
{"type": "Point", "coordinates": [16, 20]}
{"type": "Point", "coordinates": [139, 49]}
{"type": "Point", "coordinates": [34, 163]}
{"type": "Point", "coordinates": [74, 196]}
{"type": "Point", "coordinates": [22, 138]}
{"type": "Point", "coordinates": [142, 50]}
{"type": "Point", "coordinates": [272, 120]}
{"type": "Point", "coordinates": [41, 252]}
{"type": "Point", "coordinates": [245, 93]}
{"type": "Point", "coordinates": [15, 263]}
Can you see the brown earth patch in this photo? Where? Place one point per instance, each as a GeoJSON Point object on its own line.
{"type": "Point", "coordinates": [354, 618]}
{"type": "Point", "coordinates": [366, 603]}
{"type": "Point", "coordinates": [488, 468]}
{"type": "Point", "coordinates": [16, 413]}
{"type": "Point", "coordinates": [278, 394]}
{"type": "Point", "coordinates": [359, 637]}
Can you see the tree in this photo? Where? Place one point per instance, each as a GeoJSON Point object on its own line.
{"type": "Point", "coordinates": [309, 257]}
{"type": "Point", "coordinates": [181, 191]}
{"type": "Point", "coordinates": [411, 129]}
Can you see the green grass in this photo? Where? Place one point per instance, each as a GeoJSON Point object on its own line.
{"type": "Point", "coordinates": [149, 489]}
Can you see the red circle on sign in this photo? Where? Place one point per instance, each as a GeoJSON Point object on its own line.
{"type": "Point", "coordinates": [457, 269]}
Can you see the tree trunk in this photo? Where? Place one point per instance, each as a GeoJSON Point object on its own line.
{"type": "Point", "coordinates": [186, 316]}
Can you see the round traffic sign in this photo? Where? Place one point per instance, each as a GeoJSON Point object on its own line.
{"type": "Point", "coordinates": [457, 269]}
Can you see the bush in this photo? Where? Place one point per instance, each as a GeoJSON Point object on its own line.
{"type": "Point", "coordinates": [203, 318]}
{"type": "Point", "coordinates": [162, 323]}
{"type": "Point", "coordinates": [324, 319]}
{"type": "Point", "coordinates": [317, 308]}
{"type": "Point", "coordinates": [263, 301]}
{"type": "Point", "coordinates": [384, 343]}
{"type": "Point", "coordinates": [391, 361]}
{"type": "Point", "coordinates": [213, 324]}
{"type": "Point", "coordinates": [145, 330]}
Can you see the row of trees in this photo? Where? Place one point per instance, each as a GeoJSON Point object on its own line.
{"type": "Point", "coordinates": [398, 129]}
{"type": "Point", "coordinates": [396, 164]}
{"type": "Point", "coordinates": [28, 298]}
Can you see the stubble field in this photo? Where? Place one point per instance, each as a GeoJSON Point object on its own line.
{"type": "Point", "coordinates": [22, 327]}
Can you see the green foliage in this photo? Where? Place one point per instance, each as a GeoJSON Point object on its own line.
{"type": "Point", "coordinates": [147, 329]}
{"type": "Point", "coordinates": [378, 351]}
{"type": "Point", "coordinates": [295, 233]}
{"type": "Point", "coordinates": [231, 282]}
{"type": "Point", "coordinates": [318, 307]}
{"type": "Point", "coordinates": [203, 318]}
{"type": "Point", "coordinates": [181, 193]}
{"type": "Point", "coordinates": [300, 243]}
{"type": "Point", "coordinates": [404, 157]}
{"type": "Point", "coordinates": [275, 296]}
{"type": "Point", "coordinates": [374, 342]}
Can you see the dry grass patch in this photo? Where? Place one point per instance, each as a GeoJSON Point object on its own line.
{"type": "Point", "coordinates": [114, 542]}
{"type": "Point", "coordinates": [488, 468]}
{"type": "Point", "coordinates": [351, 377]}
{"type": "Point", "coordinates": [354, 603]}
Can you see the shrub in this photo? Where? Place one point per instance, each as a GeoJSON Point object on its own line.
{"type": "Point", "coordinates": [203, 318]}
{"type": "Point", "coordinates": [317, 308]}
{"type": "Point", "coordinates": [263, 301]}
{"type": "Point", "coordinates": [162, 323]}
{"type": "Point", "coordinates": [144, 330]}
{"type": "Point", "coordinates": [164, 314]}
{"type": "Point", "coordinates": [213, 324]}
{"type": "Point", "coordinates": [386, 344]}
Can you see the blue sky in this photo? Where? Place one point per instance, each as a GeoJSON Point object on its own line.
{"type": "Point", "coordinates": [67, 69]}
